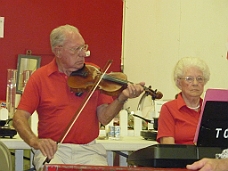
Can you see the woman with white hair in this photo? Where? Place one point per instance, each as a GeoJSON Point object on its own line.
{"type": "Point", "coordinates": [179, 118]}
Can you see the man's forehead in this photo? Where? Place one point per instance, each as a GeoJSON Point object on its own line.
{"type": "Point", "coordinates": [74, 38]}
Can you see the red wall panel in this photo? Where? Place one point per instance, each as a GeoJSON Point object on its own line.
{"type": "Point", "coordinates": [28, 24]}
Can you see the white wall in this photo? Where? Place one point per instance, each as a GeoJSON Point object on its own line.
{"type": "Point", "coordinates": [157, 33]}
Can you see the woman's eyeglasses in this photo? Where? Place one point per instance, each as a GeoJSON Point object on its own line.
{"type": "Point", "coordinates": [190, 79]}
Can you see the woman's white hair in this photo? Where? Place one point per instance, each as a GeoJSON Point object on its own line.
{"type": "Point", "coordinates": [191, 62]}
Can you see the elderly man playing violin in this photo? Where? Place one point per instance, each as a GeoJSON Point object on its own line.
{"type": "Point", "coordinates": [48, 93]}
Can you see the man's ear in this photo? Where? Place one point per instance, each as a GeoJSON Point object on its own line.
{"type": "Point", "coordinates": [57, 52]}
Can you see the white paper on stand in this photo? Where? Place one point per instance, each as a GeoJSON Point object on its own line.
{"type": "Point", "coordinates": [150, 125]}
{"type": "Point", "coordinates": [3, 114]}
{"type": "Point", "coordinates": [148, 113]}
{"type": "Point", "coordinates": [137, 123]}
{"type": "Point", "coordinates": [123, 114]}
{"type": "Point", "coordinates": [158, 105]}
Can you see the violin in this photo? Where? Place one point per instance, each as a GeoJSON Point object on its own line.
{"type": "Point", "coordinates": [111, 84]}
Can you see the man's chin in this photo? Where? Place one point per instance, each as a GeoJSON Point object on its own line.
{"type": "Point", "coordinates": [77, 67]}
{"type": "Point", "coordinates": [80, 65]}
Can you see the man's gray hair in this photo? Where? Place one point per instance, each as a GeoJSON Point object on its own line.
{"type": "Point", "coordinates": [58, 35]}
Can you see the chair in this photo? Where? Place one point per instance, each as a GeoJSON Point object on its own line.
{"type": "Point", "coordinates": [6, 163]}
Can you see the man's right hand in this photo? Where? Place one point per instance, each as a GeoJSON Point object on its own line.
{"type": "Point", "coordinates": [48, 147]}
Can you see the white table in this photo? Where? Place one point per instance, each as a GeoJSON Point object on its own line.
{"type": "Point", "coordinates": [125, 145]}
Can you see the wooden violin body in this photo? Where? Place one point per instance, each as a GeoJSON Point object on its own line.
{"type": "Point", "coordinates": [111, 84]}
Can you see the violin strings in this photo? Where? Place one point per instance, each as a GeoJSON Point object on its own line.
{"type": "Point", "coordinates": [114, 79]}
{"type": "Point", "coordinates": [122, 82]}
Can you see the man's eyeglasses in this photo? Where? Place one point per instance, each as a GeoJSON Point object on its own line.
{"type": "Point", "coordinates": [77, 50]}
{"type": "Point", "coordinates": [190, 79]}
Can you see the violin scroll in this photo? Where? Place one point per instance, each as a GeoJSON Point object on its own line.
{"type": "Point", "coordinates": [154, 93]}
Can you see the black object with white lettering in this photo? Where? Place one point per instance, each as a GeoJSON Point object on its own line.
{"type": "Point", "coordinates": [214, 125]}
